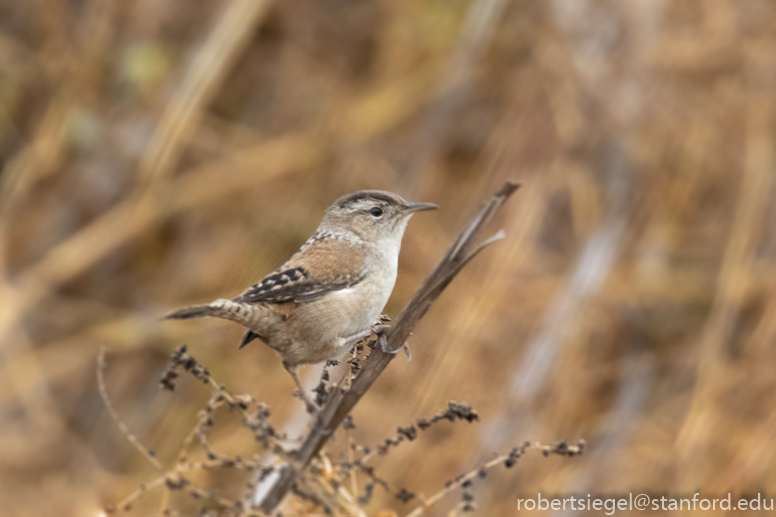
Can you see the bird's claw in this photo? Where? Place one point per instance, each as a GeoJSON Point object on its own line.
{"type": "Point", "coordinates": [316, 414]}
{"type": "Point", "coordinates": [380, 330]}
{"type": "Point", "coordinates": [312, 408]}
{"type": "Point", "coordinates": [383, 341]}
{"type": "Point", "coordinates": [316, 419]}
{"type": "Point", "coordinates": [317, 429]}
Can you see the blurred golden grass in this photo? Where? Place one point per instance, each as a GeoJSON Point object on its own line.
{"type": "Point", "coordinates": [156, 154]}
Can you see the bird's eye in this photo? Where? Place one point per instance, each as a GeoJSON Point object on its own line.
{"type": "Point", "coordinates": [376, 211]}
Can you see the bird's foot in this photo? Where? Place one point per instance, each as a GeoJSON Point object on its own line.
{"type": "Point", "coordinates": [316, 425]}
{"type": "Point", "coordinates": [311, 407]}
{"type": "Point", "coordinates": [314, 410]}
{"type": "Point", "coordinates": [316, 417]}
{"type": "Point", "coordinates": [380, 330]}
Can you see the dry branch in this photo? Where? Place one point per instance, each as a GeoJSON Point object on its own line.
{"type": "Point", "coordinates": [508, 460]}
{"type": "Point", "coordinates": [174, 478]}
{"type": "Point", "coordinates": [131, 438]}
{"type": "Point", "coordinates": [340, 404]}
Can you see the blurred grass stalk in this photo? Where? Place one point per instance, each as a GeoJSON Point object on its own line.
{"type": "Point", "coordinates": [285, 98]}
{"type": "Point", "coordinates": [155, 198]}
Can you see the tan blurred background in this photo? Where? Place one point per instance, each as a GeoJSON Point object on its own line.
{"type": "Point", "coordinates": [160, 153]}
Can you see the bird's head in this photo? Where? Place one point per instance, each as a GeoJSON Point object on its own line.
{"type": "Point", "coordinates": [372, 215]}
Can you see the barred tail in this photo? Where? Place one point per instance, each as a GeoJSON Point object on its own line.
{"type": "Point", "coordinates": [221, 308]}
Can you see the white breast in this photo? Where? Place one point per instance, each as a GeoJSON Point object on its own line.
{"type": "Point", "coordinates": [362, 304]}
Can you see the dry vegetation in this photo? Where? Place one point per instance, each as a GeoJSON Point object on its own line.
{"type": "Point", "coordinates": [157, 154]}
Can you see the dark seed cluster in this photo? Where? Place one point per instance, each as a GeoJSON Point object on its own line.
{"type": "Point", "coordinates": [180, 359]}
{"type": "Point", "coordinates": [402, 494]}
{"type": "Point", "coordinates": [453, 412]}
{"type": "Point", "coordinates": [321, 473]}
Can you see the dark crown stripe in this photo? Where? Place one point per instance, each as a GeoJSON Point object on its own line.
{"type": "Point", "coordinates": [368, 195]}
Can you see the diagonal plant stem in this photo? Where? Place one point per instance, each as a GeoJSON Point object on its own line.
{"type": "Point", "coordinates": [340, 404]}
{"type": "Point", "coordinates": [200, 83]}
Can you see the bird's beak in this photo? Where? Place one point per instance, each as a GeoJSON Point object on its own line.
{"type": "Point", "coordinates": [411, 208]}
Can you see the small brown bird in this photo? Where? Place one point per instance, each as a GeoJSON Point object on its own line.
{"type": "Point", "coordinates": [329, 293]}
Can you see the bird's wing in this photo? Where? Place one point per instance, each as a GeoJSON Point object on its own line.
{"type": "Point", "coordinates": [319, 268]}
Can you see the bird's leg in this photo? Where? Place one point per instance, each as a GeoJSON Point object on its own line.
{"type": "Point", "coordinates": [379, 329]}
{"type": "Point", "coordinates": [355, 338]}
{"type": "Point", "coordinates": [312, 407]}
